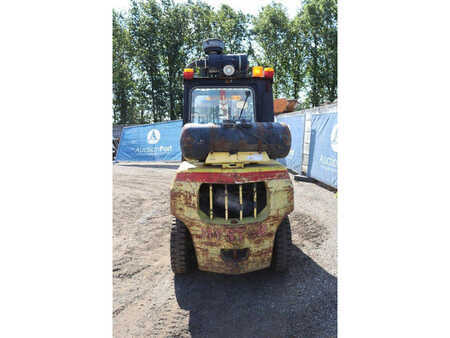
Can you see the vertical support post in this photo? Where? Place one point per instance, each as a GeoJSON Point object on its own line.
{"type": "Point", "coordinates": [254, 200]}
{"type": "Point", "coordinates": [226, 202]}
{"type": "Point", "coordinates": [306, 142]}
{"type": "Point", "coordinates": [210, 201]}
{"type": "Point", "coordinates": [240, 202]}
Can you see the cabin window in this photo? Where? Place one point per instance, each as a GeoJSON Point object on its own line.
{"type": "Point", "coordinates": [213, 105]}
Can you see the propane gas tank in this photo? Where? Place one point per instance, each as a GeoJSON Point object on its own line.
{"type": "Point", "coordinates": [198, 140]}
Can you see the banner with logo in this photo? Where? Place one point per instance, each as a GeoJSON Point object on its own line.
{"type": "Point", "coordinates": [151, 142]}
{"type": "Point", "coordinates": [322, 164]}
{"type": "Point", "coordinates": [296, 124]}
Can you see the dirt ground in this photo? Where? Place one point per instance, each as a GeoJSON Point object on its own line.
{"type": "Point", "coordinates": [149, 301]}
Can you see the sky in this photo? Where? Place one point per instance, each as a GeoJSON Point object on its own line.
{"type": "Point", "coordinates": [246, 6]}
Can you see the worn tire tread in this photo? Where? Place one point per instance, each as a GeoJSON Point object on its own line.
{"type": "Point", "coordinates": [282, 246]}
{"type": "Point", "coordinates": [182, 255]}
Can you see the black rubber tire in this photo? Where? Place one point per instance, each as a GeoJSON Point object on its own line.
{"type": "Point", "coordinates": [282, 246]}
{"type": "Point", "coordinates": [182, 253]}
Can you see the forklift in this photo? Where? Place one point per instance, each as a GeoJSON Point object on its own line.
{"type": "Point", "coordinates": [230, 198]}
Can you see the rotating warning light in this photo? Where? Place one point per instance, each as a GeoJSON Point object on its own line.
{"type": "Point", "coordinates": [257, 71]}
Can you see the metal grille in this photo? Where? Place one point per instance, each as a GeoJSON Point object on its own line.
{"type": "Point", "coordinates": [230, 201]}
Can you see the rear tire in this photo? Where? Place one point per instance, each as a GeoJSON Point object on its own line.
{"type": "Point", "coordinates": [282, 246]}
{"type": "Point", "coordinates": [182, 254]}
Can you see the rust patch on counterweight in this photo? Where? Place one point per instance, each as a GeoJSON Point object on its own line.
{"type": "Point", "coordinates": [210, 236]}
{"type": "Point", "coordinates": [232, 178]}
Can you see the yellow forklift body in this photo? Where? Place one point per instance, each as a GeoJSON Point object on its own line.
{"type": "Point", "coordinates": [223, 243]}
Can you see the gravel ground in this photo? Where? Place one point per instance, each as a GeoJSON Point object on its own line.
{"type": "Point", "coordinates": [149, 301]}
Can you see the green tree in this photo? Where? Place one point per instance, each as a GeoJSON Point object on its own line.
{"type": "Point", "coordinates": [142, 98]}
{"type": "Point", "coordinates": [319, 24]}
{"type": "Point", "coordinates": [271, 32]}
{"type": "Point", "coordinates": [232, 28]}
{"type": "Point", "coordinates": [200, 27]}
{"type": "Point", "coordinates": [173, 52]}
{"type": "Point", "coordinates": [329, 33]}
{"type": "Point", "coordinates": [144, 23]}
{"type": "Point", "coordinates": [123, 85]}
{"type": "Point", "coordinates": [296, 58]}
{"type": "Point", "coordinates": [310, 21]}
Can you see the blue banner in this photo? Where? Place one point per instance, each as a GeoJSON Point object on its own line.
{"type": "Point", "coordinates": [296, 124]}
{"type": "Point", "coordinates": [323, 148]}
{"type": "Point", "coordinates": [151, 142]}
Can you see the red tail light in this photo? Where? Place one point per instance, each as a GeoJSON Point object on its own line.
{"type": "Point", "coordinates": [188, 73]}
{"type": "Point", "coordinates": [268, 73]}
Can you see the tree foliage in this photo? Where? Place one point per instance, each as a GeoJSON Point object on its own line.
{"type": "Point", "coordinates": [155, 39]}
{"type": "Point", "coordinates": [123, 85]}
{"type": "Point", "coordinates": [271, 31]}
{"type": "Point", "coordinates": [318, 22]}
